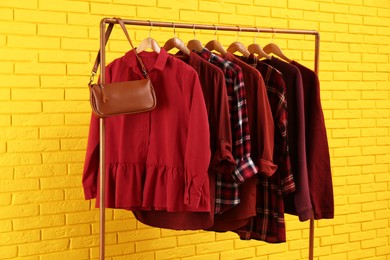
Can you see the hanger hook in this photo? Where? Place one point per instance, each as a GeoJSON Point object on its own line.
{"type": "Point", "coordinates": [174, 29]}
{"type": "Point", "coordinates": [239, 31]}
{"type": "Point", "coordinates": [151, 27]}
{"type": "Point", "coordinates": [193, 30]}
{"type": "Point", "coordinates": [216, 30]}
{"type": "Point", "coordinates": [257, 34]}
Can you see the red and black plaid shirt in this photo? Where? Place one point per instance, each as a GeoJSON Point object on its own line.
{"type": "Point", "coordinates": [227, 191]}
{"type": "Point", "coordinates": [269, 224]}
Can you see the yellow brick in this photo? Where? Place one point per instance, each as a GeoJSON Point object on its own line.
{"type": "Point", "coordinates": [175, 253]}
{"type": "Point", "coordinates": [32, 145]}
{"type": "Point", "coordinates": [204, 237]}
{"type": "Point", "coordinates": [78, 69]}
{"type": "Point", "coordinates": [5, 226]}
{"type": "Point", "coordinates": [7, 173]}
{"type": "Point", "coordinates": [80, 44]}
{"type": "Point", "coordinates": [90, 241]}
{"type": "Point", "coordinates": [82, 217]}
{"type": "Point", "coordinates": [117, 226]}
{"type": "Point", "coordinates": [76, 168]}
{"type": "Point", "coordinates": [374, 150]}
{"type": "Point", "coordinates": [317, 16]}
{"type": "Point", "coordinates": [382, 159]}
{"type": "Point", "coordinates": [37, 94]}
{"type": "Point", "coordinates": [382, 104]}
{"type": "Point", "coordinates": [39, 16]}
{"type": "Point", "coordinates": [62, 5]}
{"type": "Point", "coordinates": [42, 170]}
{"type": "Point", "coordinates": [360, 67]}
{"type": "Point", "coordinates": [307, 6]}
{"type": "Point", "coordinates": [37, 120]}
{"type": "Point", "coordinates": [18, 28]}
{"type": "Point", "coordinates": [371, 187]}
{"type": "Point", "coordinates": [368, 20]}
{"type": "Point", "coordinates": [73, 144]}
{"type": "Point", "coordinates": [170, 232]}
{"type": "Point", "coordinates": [330, 8]}
{"type": "Point", "coordinates": [375, 224]}
{"type": "Point", "coordinates": [62, 132]}
{"type": "Point", "coordinates": [361, 29]}
{"type": "Point", "coordinates": [246, 253]}
{"type": "Point", "coordinates": [63, 156]}
{"type": "Point", "coordinates": [5, 199]}
{"type": "Point", "coordinates": [63, 56]}
{"type": "Point", "coordinates": [352, 199]}
{"type": "Point", "coordinates": [19, 81]}
{"type": "Point", "coordinates": [63, 30]}
{"type": "Point", "coordinates": [286, 13]}
{"type": "Point", "coordinates": [5, 94]}
{"type": "Point", "coordinates": [20, 107]}
{"type": "Point", "coordinates": [383, 67]}
{"type": "Point", "coordinates": [345, 247]}
{"type": "Point", "coordinates": [43, 247]}
{"type": "Point", "coordinates": [48, 208]}
{"type": "Point", "coordinates": [77, 94]}
{"type": "Point", "coordinates": [291, 255]}
{"type": "Point", "coordinates": [334, 256]}
{"type": "Point", "coordinates": [68, 254]}
{"type": "Point", "coordinates": [331, 240]}
{"type": "Point", "coordinates": [347, 228]}
{"type": "Point", "coordinates": [360, 217]}
{"type": "Point", "coordinates": [383, 123]}
{"type": "Point", "coordinates": [374, 132]}
{"type": "Point", "coordinates": [64, 81]}
{"type": "Point", "coordinates": [381, 173]}
{"type": "Point", "coordinates": [361, 254]}
{"type": "Point", "coordinates": [60, 182]}
{"type": "Point", "coordinates": [66, 231]}
{"type": "Point", "coordinates": [9, 252]}
{"type": "Point", "coordinates": [334, 124]}
{"type": "Point", "coordinates": [116, 10]}
{"type": "Point", "coordinates": [139, 235]}
{"type": "Point", "coordinates": [6, 67]}
{"type": "Point", "coordinates": [203, 17]}
{"type": "Point", "coordinates": [214, 247]}
{"type": "Point", "coordinates": [74, 193]}
{"type": "Point", "coordinates": [5, 120]}
{"type": "Point", "coordinates": [346, 152]}
{"type": "Point", "coordinates": [243, 9]}
{"type": "Point", "coordinates": [348, 19]}
{"type": "Point", "coordinates": [203, 257]}
{"type": "Point", "coordinates": [119, 249]}
{"type": "Point", "coordinates": [376, 76]}
{"type": "Point", "coordinates": [377, 113]}
{"type": "Point", "coordinates": [343, 133]}
{"type": "Point", "coordinates": [33, 42]}
{"type": "Point", "coordinates": [19, 159]}
{"type": "Point", "coordinates": [353, 76]}
{"type": "Point", "coordinates": [38, 222]}
{"type": "Point", "coordinates": [382, 250]}
{"type": "Point", "coordinates": [40, 68]}
{"type": "Point", "coordinates": [28, 197]}
{"type": "Point", "coordinates": [155, 244]}
{"type": "Point", "coordinates": [309, 25]}
{"type": "Point", "coordinates": [19, 237]}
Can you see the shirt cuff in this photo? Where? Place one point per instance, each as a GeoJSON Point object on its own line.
{"type": "Point", "coordinates": [223, 160]}
{"type": "Point", "coordinates": [89, 193]}
{"type": "Point", "coordinates": [266, 167]}
{"type": "Point", "coordinates": [245, 169]}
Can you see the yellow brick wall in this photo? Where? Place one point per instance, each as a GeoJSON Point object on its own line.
{"type": "Point", "coordinates": [46, 52]}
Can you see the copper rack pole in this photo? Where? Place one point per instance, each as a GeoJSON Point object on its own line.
{"type": "Point", "coordinates": [102, 148]}
{"type": "Point", "coordinates": [184, 26]}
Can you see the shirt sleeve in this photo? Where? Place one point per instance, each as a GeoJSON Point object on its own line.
{"type": "Point", "coordinates": [197, 153]}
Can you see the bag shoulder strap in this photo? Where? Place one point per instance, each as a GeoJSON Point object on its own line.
{"type": "Point", "coordinates": [107, 35]}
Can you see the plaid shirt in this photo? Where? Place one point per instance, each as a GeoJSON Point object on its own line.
{"type": "Point", "coordinates": [269, 224]}
{"type": "Point", "coordinates": [227, 186]}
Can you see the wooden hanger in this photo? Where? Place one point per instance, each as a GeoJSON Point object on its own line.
{"type": "Point", "coordinates": [275, 49]}
{"type": "Point", "coordinates": [255, 48]}
{"type": "Point", "coordinates": [176, 43]}
{"type": "Point", "coordinates": [194, 44]}
{"type": "Point", "coordinates": [238, 47]}
{"type": "Point", "coordinates": [149, 43]}
{"type": "Point", "coordinates": [215, 45]}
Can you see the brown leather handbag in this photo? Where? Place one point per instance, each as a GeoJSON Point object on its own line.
{"type": "Point", "coordinates": [120, 98]}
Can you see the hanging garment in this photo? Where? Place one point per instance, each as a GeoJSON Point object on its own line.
{"type": "Point", "coordinates": [156, 160]}
{"type": "Point", "coordinates": [298, 202]}
{"type": "Point", "coordinates": [214, 92]}
{"type": "Point", "coordinates": [269, 224]}
{"type": "Point", "coordinates": [261, 127]}
{"type": "Point", "coordinates": [227, 190]}
{"type": "Point", "coordinates": [317, 150]}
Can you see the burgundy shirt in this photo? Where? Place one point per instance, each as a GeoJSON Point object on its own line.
{"type": "Point", "coordinates": [317, 150]}
{"type": "Point", "coordinates": [298, 202]}
{"type": "Point", "coordinates": [214, 91]}
{"type": "Point", "coordinates": [156, 160]}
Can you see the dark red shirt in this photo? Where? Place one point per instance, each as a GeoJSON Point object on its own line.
{"type": "Point", "coordinates": [156, 160]}
{"type": "Point", "coordinates": [317, 150]}
{"type": "Point", "coordinates": [298, 202]}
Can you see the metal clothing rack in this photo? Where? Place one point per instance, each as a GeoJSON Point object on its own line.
{"type": "Point", "coordinates": [105, 21]}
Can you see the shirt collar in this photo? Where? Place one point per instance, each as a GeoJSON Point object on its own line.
{"type": "Point", "coordinates": [159, 64]}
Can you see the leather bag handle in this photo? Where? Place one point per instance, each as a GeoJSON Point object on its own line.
{"type": "Point", "coordinates": [107, 36]}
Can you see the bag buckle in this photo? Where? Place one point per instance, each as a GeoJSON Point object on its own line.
{"type": "Point", "coordinates": [91, 78]}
